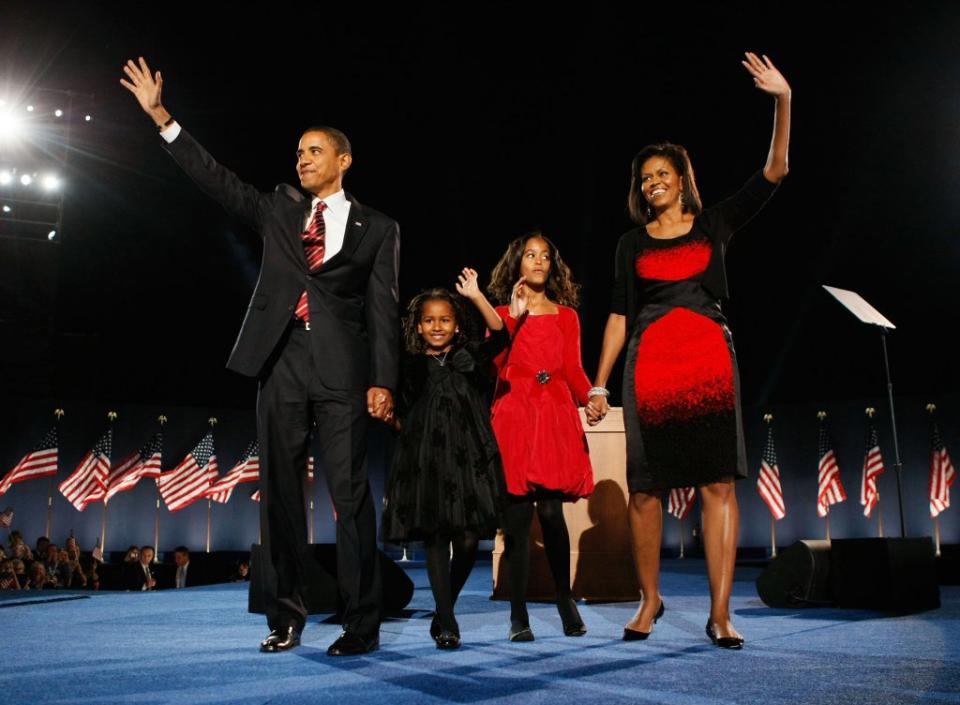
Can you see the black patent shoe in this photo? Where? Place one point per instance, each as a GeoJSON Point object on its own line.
{"type": "Point", "coordinates": [520, 632]}
{"type": "Point", "coordinates": [448, 640]}
{"type": "Point", "coordinates": [280, 640]}
{"type": "Point", "coordinates": [572, 623]}
{"type": "Point", "coordinates": [352, 644]}
{"type": "Point", "coordinates": [435, 628]}
{"type": "Point", "coordinates": [636, 634]}
{"type": "Point", "coordinates": [724, 642]}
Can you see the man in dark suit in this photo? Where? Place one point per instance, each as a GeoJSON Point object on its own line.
{"type": "Point", "coordinates": [138, 575]}
{"type": "Point", "coordinates": [321, 335]}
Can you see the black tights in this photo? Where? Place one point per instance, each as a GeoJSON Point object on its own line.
{"type": "Point", "coordinates": [556, 542]}
{"type": "Point", "coordinates": [447, 577]}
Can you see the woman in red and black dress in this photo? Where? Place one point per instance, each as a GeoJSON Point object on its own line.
{"type": "Point", "coordinates": [680, 387]}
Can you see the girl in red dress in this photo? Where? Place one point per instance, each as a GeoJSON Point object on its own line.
{"type": "Point", "coordinates": [540, 384]}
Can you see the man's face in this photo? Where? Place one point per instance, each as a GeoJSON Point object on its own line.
{"type": "Point", "coordinates": [181, 559]}
{"type": "Point", "coordinates": [319, 166]}
{"type": "Point", "coordinates": [146, 556]}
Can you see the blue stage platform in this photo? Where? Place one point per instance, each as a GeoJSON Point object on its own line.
{"type": "Point", "coordinates": [198, 646]}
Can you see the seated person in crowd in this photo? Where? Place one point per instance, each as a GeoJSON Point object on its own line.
{"type": "Point", "coordinates": [139, 575]}
{"type": "Point", "coordinates": [184, 575]}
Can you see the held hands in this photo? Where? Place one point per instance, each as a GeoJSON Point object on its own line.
{"type": "Point", "coordinates": [518, 299]}
{"type": "Point", "coordinates": [596, 409]}
{"type": "Point", "coordinates": [380, 404]}
{"type": "Point", "coordinates": [766, 77]}
{"type": "Point", "coordinates": [146, 87]}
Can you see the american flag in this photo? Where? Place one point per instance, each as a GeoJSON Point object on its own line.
{"type": "Point", "coordinates": [88, 482]}
{"type": "Point", "coordinates": [255, 495]}
{"type": "Point", "coordinates": [142, 463]}
{"type": "Point", "coordinates": [6, 519]}
{"type": "Point", "coordinates": [39, 462]}
{"type": "Point", "coordinates": [246, 470]}
{"type": "Point", "coordinates": [191, 479]}
{"type": "Point", "coordinates": [680, 501]}
{"type": "Point", "coordinates": [830, 489]}
{"type": "Point", "coordinates": [768, 482]}
{"type": "Point", "coordinates": [872, 469]}
{"type": "Point", "coordinates": [942, 473]}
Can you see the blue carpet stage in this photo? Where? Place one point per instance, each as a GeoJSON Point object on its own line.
{"type": "Point", "coordinates": [198, 646]}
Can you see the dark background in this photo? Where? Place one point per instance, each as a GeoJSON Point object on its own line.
{"type": "Point", "coordinates": [470, 125]}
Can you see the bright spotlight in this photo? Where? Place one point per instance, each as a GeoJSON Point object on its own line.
{"type": "Point", "coordinates": [58, 112]}
{"type": "Point", "coordinates": [88, 118]}
{"type": "Point", "coordinates": [29, 108]}
{"type": "Point", "coordinates": [9, 125]}
{"type": "Point", "coordinates": [5, 177]}
{"type": "Point", "coordinates": [52, 234]}
{"type": "Point", "coordinates": [7, 209]}
{"type": "Point", "coordinates": [51, 182]}
{"type": "Point", "coordinates": [26, 179]}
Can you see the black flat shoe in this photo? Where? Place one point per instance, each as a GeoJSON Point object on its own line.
{"type": "Point", "coordinates": [280, 640]}
{"type": "Point", "coordinates": [572, 623]}
{"type": "Point", "coordinates": [636, 634]}
{"type": "Point", "coordinates": [351, 644]}
{"type": "Point", "coordinates": [435, 628]}
{"type": "Point", "coordinates": [724, 642]}
{"type": "Point", "coordinates": [448, 640]}
{"type": "Point", "coordinates": [520, 632]}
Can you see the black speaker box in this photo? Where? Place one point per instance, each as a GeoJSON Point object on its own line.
{"type": "Point", "coordinates": [323, 595]}
{"type": "Point", "coordinates": [889, 574]}
{"type": "Point", "coordinates": [799, 577]}
{"type": "Point", "coordinates": [885, 574]}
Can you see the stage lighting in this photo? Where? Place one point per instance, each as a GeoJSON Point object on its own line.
{"type": "Point", "coordinates": [26, 179]}
{"type": "Point", "coordinates": [7, 209]}
{"type": "Point", "coordinates": [51, 235]}
{"type": "Point", "coordinates": [29, 108]}
{"type": "Point", "coordinates": [5, 177]}
{"type": "Point", "coordinates": [88, 118]}
{"type": "Point", "coordinates": [51, 182]}
{"type": "Point", "coordinates": [58, 112]}
{"type": "Point", "coordinates": [9, 125]}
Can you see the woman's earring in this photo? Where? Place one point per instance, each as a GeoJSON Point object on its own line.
{"type": "Point", "coordinates": [649, 213]}
{"type": "Point", "coordinates": [681, 199]}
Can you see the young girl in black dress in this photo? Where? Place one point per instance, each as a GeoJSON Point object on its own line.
{"type": "Point", "coordinates": [446, 480]}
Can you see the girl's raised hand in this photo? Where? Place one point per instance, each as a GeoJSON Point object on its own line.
{"type": "Point", "coordinates": [518, 299]}
{"type": "Point", "coordinates": [766, 76]}
{"type": "Point", "coordinates": [467, 285]}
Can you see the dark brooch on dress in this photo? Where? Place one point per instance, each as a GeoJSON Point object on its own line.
{"type": "Point", "coordinates": [543, 376]}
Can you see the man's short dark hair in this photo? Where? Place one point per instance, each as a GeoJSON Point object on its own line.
{"type": "Point", "coordinates": [339, 140]}
{"type": "Point", "coordinates": [144, 548]}
{"type": "Point", "coordinates": [182, 549]}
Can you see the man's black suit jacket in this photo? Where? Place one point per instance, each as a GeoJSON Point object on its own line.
{"type": "Point", "coordinates": [353, 296]}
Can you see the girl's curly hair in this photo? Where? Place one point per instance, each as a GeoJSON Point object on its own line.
{"type": "Point", "coordinates": [412, 340]}
{"type": "Point", "coordinates": [560, 287]}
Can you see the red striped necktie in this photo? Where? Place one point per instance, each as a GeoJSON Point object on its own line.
{"type": "Point", "coordinates": [314, 246]}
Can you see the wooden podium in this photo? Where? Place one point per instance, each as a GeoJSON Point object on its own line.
{"type": "Point", "coordinates": [601, 558]}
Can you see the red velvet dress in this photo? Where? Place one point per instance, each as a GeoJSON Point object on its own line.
{"type": "Point", "coordinates": [535, 419]}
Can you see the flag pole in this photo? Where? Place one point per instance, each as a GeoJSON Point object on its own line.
{"type": "Point", "coordinates": [111, 416]}
{"type": "Point", "coordinates": [681, 538]}
{"type": "Point", "coordinates": [828, 523]}
{"type": "Point", "coordinates": [53, 478]}
{"type": "Point", "coordinates": [156, 517]}
{"type": "Point", "coordinates": [879, 517]}
{"type": "Point", "coordinates": [213, 422]}
{"type": "Point", "coordinates": [936, 535]}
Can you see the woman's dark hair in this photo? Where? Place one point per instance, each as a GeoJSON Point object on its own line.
{"type": "Point", "coordinates": [412, 340]}
{"type": "Point", "coordinates": [640, 211]}
{"type": "Point", "coordinates": [560, 287]}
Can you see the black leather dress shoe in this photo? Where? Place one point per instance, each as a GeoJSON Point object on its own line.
{"type": "Point", "coordinates": [724, 642]}
{"type": "Point", "coordinates": [352, 644]}
{"type": "Point", "coordinates": [636, 634]}
{"type": "Point", "coordinates": [281, 640]}
{"type": "Point", "coordinates": [572, 623]}
{"type": "Point", "coordinates": [520, 632]}
{"type": "Point", "coordinates": [448, 640]}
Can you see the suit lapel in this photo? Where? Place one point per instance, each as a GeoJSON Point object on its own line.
{"type": "Point", "coordinates": [357, 224]}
